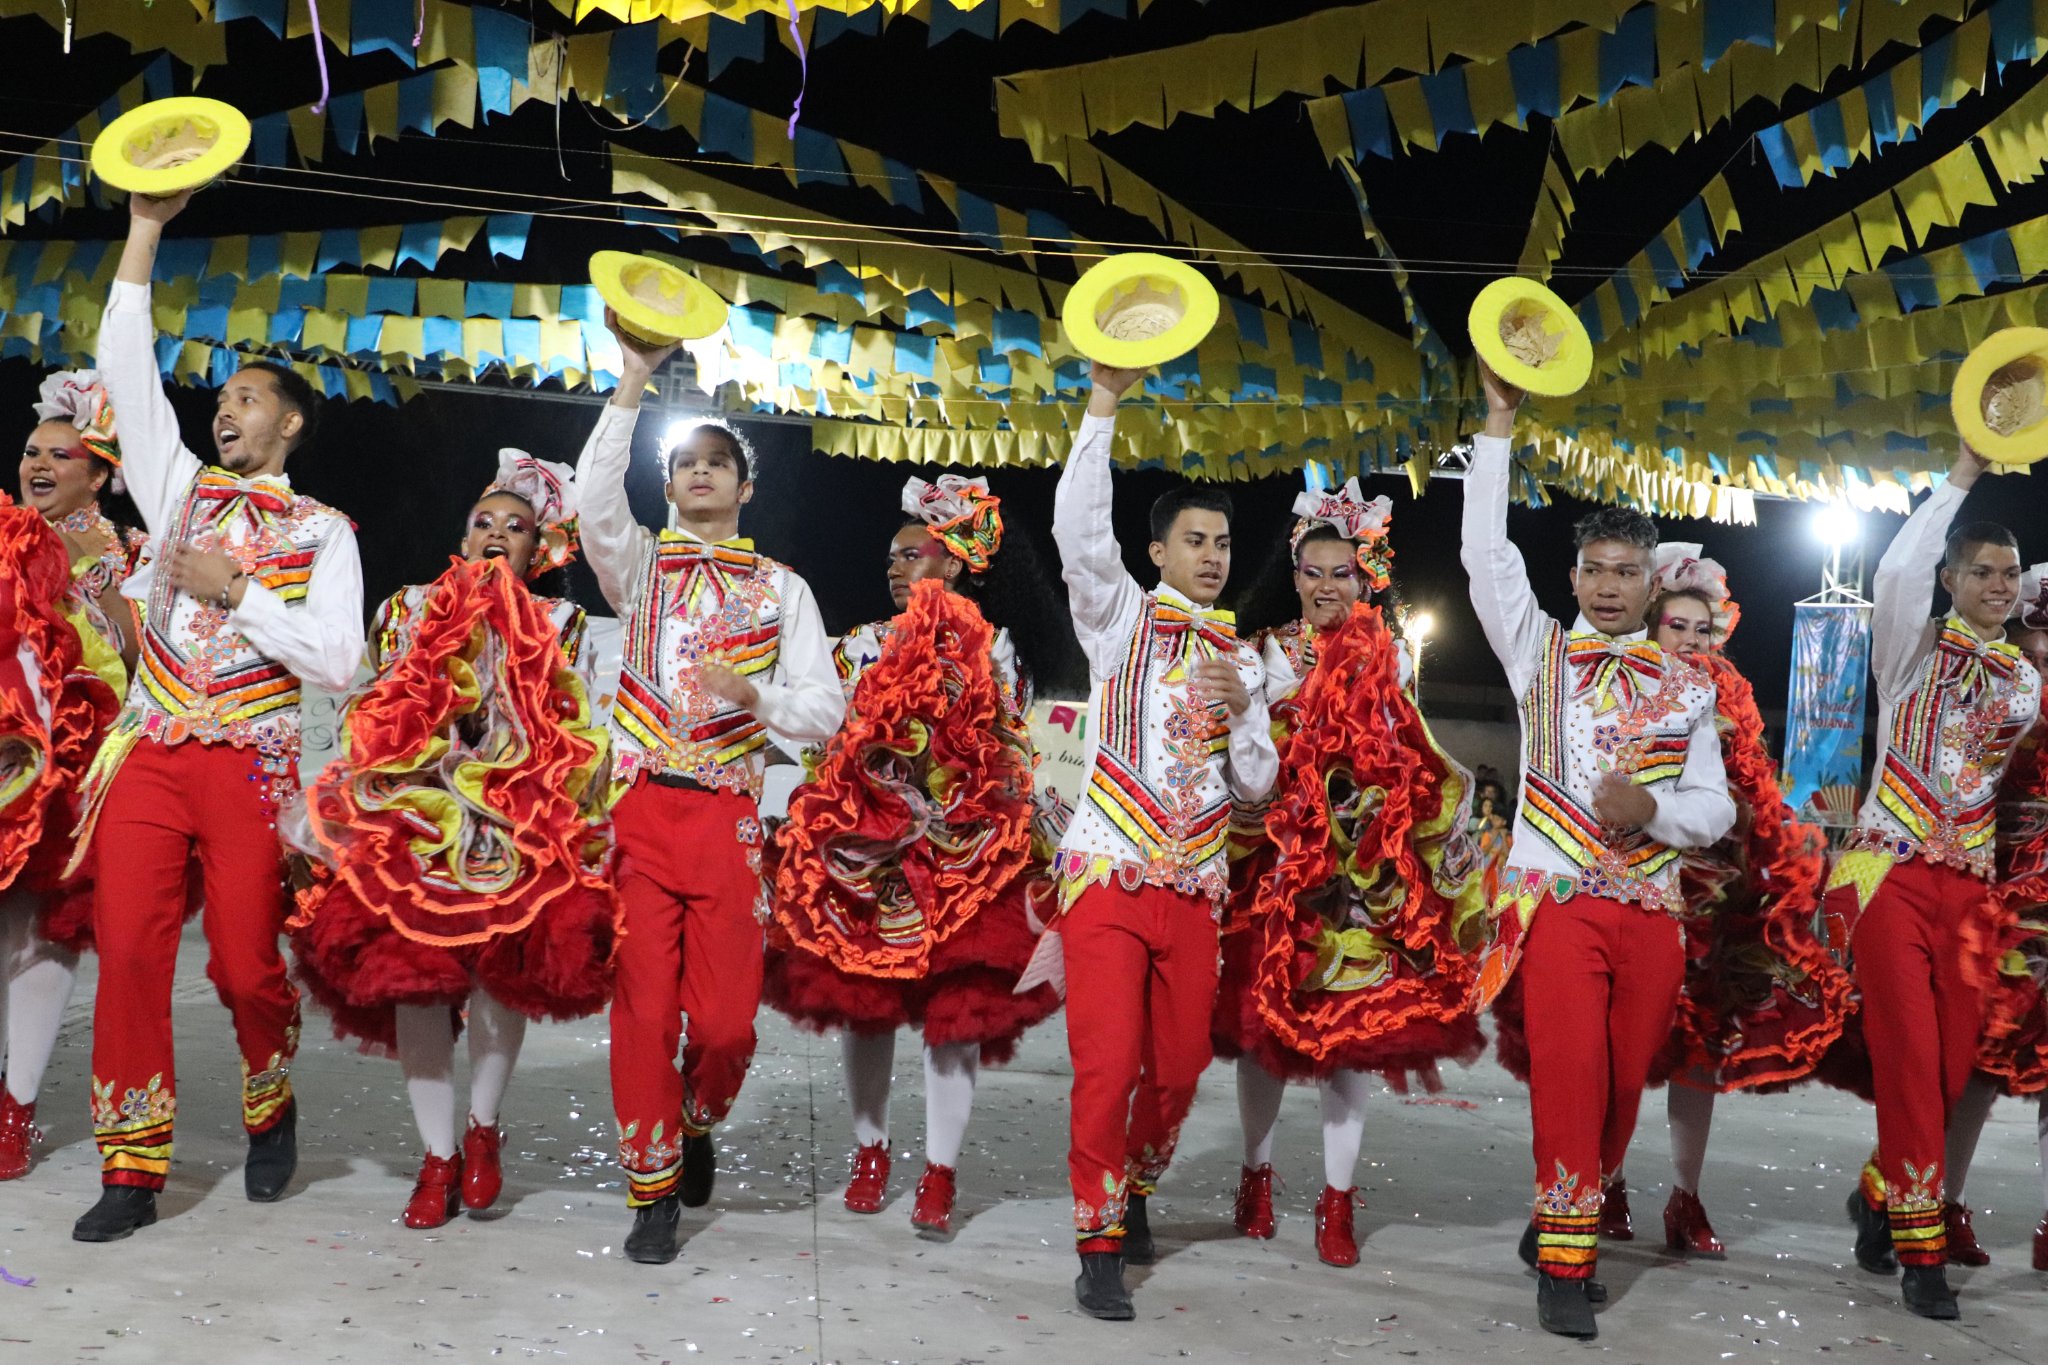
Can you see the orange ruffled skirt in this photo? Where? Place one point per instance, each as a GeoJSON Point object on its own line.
{"type": "Point", "coordinates": [900, 877]}
{"type": "Point", "coordinates": [1356, 952]}
{"type": "Point", "coordinates": [458, 826]}
{"type": "Point", "coordinates": [45, 762]}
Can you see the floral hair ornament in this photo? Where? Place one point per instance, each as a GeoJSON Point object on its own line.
{"type": "Point", "coordinates": [550, 489]}
{"type": "Point", "coordinates": [2031, 610]}
{"type": "Point", "coordinates": [78, 397]}
{"type": "Point", "coordinates": [1345, 511]}
{"type": "Point", "coordinates": [1680, 568]}
{"type": "Point", "coordinates": [961, 513]}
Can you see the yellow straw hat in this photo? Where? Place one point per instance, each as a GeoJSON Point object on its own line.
{"type": "Point", "coordinates": [657, 301]}
{"type": "Point", "coordinates": [167, 146]}
{"type": "Point", "coordinates": [1138, 310]}
{"type": "Point", "coordinates": [1528, 337]}
{"type": "Point", "coordinates": [2000, 398]}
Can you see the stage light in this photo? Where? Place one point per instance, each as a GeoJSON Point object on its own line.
{"type": "Point", "coordinates": [1422, 625]}
{"type": "Point", "coordinates": [1835, 524]}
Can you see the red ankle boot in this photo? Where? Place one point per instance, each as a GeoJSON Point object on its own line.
{"type": "Point", "coordinates": [1686, 1229]}
{"type": "Point", "coordinates": [437, 1194]}
{"type": "Point", "coordinates": [1255, 1201]}
{"type": "Point", "coordinates": [1962, 1238]}
{"type": "Point", "coordinates": [2041, 1243]}
{"type": "Point", "coordinates": [869, 1187]}
{"type": "Point", "coordinates": [482, 1175]}
{"type": "Point", "coordinates": [1614, 1224]}
{"type": "Point", "coordinates": [18, 1136]}
{"type": "Point", "coordinates": [933, 1211]}
{"type": "Point", "coordinates": [1335, 1241]}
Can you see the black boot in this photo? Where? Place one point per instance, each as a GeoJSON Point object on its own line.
{"type": "Point", "coordinates": [1873, 1236]}
{"type": "Point", "coordinates": [700, 1170]}
{"type": "Point", "coordinates": [1927, 1292]}
{"type": "Point", "coordinates": [1596, 1292]}
{"type": "Point", "coordinates": [653, 1238]}
{"type": "Point", "coordinates": [121, 1210]}
{"type": "Point", "coordinates": [1563, 1307]}
{"type": "Point", "coordinates": [1138, 1249]}
{"type": "Point", "coordinates": [1099, 1288]}
{"type": "Point", "coordinates": [273, 1156]}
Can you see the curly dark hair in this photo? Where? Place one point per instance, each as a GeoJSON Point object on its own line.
{"type": "Point", "coordinates": [1016, 593]}
{"type": "Point", "coordinates": [1272, 601]}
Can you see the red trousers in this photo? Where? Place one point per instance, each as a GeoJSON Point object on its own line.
{"type": "Point", "coordinates": [1141, 982]}
{"type": "Point", "coordinates": [1600, 982]}
{"type": "Point", "coordinates": [1921, 1020]}
{"type": "Point", "coordinates": [690, 879]}
{"type": "Point", "coordinates": [164, 804]}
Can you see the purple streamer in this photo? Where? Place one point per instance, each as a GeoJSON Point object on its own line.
{"type": "Point", "coordinates": [804, 63]}
{"type": "Point", "coordinates": [25, 1282]}
{"type": "Point", "coordinates": [419, 30]}
{"type": "Point", "coordinates": [319, 56]}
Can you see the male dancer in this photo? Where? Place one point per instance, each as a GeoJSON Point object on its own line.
{"type": "Point", "coordinates": [1954, 697]}
{"type": "Point", "coordinates": [721, 646]}
{"type": "Point", "coordinates": [1177, 727]}
{"type": "Point", "coordinates": [250, 588]}
{"type": "Point", "coordinates": [1621, 769]}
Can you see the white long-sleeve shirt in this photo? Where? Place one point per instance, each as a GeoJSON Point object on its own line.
{"type": "Point", "coordinates": [1162, 767]}
{"type": "Point", "coordinates": [1951, 707]}
{"type": "Point", "coordinates": [320, 638]}
{"type": "Point", "coordinates": [1591, 704]}
{"type": "Point", "coordinates": [686, 604]}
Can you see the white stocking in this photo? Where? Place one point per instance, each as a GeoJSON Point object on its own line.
{"type": "Point", "coordinates": [1343, 1094]}
{"type": "Point", "coordinates": [949, 1074]}
{"type": "Point", "coordinates": [426, 1054]}
{"type": "Point", "coordinates": [870, 1057]}
{"type": "Point", "coordinates": [1692, 1117]}
{"type": "Point", "coordinates": [1259, 1093]}
{"type": "Point", "coordinates": [1965, 1128]}
{"type": "Point", "coordinates": [35, 982]}
{"type": "Point", "coordinates": [496, 1032]}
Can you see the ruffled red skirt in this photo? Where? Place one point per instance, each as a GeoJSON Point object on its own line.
{"type": "Point", "coordinates": [359, 968]}
{"type": "Point", "coordinates": [45, 761]}
{"type": "Point", "coordinates": [450, 861]}
{"type": "Point", "coordinates": [966, 996]}
{"type": "Point", "coordinates": [1357, 953]}
{"type": "Point", "coordinates": [900, 876]}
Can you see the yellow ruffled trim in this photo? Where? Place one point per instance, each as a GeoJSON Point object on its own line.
{"type": "Point", "coordinates": [446, 811]}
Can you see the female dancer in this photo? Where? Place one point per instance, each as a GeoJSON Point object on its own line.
{"type": "Point", "coordinates": [1763, 999]}
{"type": "Point", "coordinates": [62, 562]}
{"type": "Point", "coordinates": [2014, 1058]}
{"type": "Point", "coordinates": [458, 827]}
{"type": "Point", "coordinates": [1344, 959]}
{"type": "Point", "coordinates": [901, 873]}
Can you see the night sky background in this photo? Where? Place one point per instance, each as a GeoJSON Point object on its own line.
{"type": "Point", "coordinates": [408, 475]}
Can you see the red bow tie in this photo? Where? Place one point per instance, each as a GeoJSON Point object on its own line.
{"type": "Point", "coordinates": [1610, 669]}
{"type": "Point", "coordinates": [1968, 663]}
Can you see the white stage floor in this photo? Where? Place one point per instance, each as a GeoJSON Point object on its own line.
{"type": "Point", "coordinates": [777, 1270]}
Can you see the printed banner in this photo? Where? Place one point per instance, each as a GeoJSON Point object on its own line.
{"type": "Point", "coordinates": [1824, 712]}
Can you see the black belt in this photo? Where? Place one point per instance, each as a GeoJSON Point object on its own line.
{"type": "Point", "coordinates": [688, 784]}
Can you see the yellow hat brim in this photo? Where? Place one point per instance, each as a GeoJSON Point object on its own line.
{"type": "Point", "coordinates": [1565, 373]}
{"type": "Point", "coordinates": [228, 126]}
{"type": "Point", "coordinates": [694, 310]}
{"type": "Point", "coordinates": [1100, 284]}
{"type": "Point", "coordinates": [1966, 397]}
